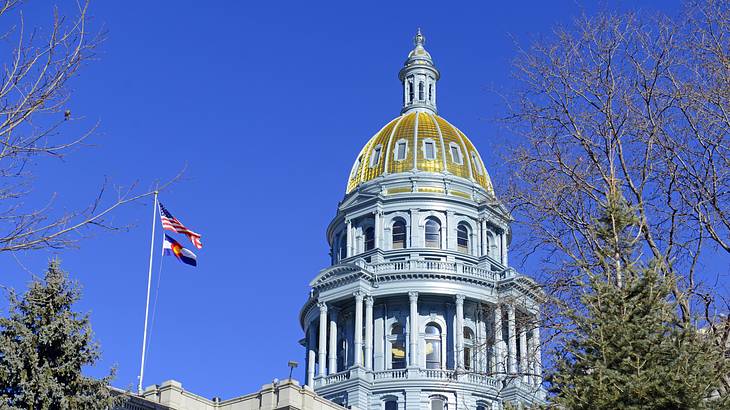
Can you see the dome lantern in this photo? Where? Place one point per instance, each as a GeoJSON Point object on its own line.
{"type": "Point", "coordinates": [419, 76]}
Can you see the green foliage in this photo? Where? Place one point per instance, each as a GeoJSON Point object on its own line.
{"type": "Point", "coordinates": [628, 349]}
{"type": "Point", "coordinates": [43, 347]}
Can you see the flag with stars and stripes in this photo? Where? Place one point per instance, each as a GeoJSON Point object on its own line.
{"type": "Point", "coordinates": [171, 223]}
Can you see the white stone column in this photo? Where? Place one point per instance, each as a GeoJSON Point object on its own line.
{"type": "Point", "coordinates": [537, 359]}
{"type": "Point", "coordinates": [369, 333]}
{"type": "Point", "coordinates": [524, 367]}
{"type": "Point", "coordinates": [500, 366]}
{"type": "Point", "coordinates": [459, 331]}
{"type": "Point", "coordinates": [311, 356]}
{"type": "Point", "coordinates": [333, 341]}
{"type": "Point", "coordinates": [350, 239]}
{"type": "Point", "coordinates": [322, 338]}
{"type": "Point", "coordinates": [512, 339]}
{"type": "Point", "coordinates": [358, 328]}
{"type": "Point", "coordinates": [413, 334]}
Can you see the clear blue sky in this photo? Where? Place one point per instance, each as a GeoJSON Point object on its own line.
{"type": "Point", "coordinates": [268, 103]}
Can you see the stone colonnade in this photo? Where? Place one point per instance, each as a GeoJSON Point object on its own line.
{"type": "Point", "coordinates": [517, 352]}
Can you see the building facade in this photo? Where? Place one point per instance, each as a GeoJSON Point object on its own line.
{"type": "Point", "coordinates": [420, 308]}
{"type": "Point", "coordinates": [170, 395]}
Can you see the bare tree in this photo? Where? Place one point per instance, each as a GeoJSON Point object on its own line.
{"type": "Point", "coordinates": [34, 92]}
{"type": "Point", "coordinates": [640, 104]}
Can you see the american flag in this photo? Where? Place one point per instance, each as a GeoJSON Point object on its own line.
{"type": "Point", "coordinates": [171, 223]}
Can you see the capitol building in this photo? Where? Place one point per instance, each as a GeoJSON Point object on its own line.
{"type": "Point", "coordinates": [419, 309]}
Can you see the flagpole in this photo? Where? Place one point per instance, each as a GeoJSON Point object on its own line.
{"type": "Point", "coordinates": [149, 284]}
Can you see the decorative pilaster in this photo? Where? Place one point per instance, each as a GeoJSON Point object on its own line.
{"type": "Point", "coordinates": [512, 338]}
{"type": "Point", "coordinates": [369, 333]}
{"type": "Point", "coordinates": [483, 235]}
{"type": "Point", "coordinates": [450, 232]}
{"type": "Point", "coordinates": [414, 239]}
{"type": "Point", "coordinates": [378, 229]}
{"type": "Point", "coordinates": [322, 338]}
{"type": "Point", "coordinates": [413, 334]}
{"type": "Point", "coordinates": [459, 331]}
{"type": "Point", "coordinates": [504, 247]}
{"type": "Point", "coordinates": [350, 239]}
{"type": "Point", "coordinates": [333, 341]}
{"type": "Point", "coordinates": [358, 328]}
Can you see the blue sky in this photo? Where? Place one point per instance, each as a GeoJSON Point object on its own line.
{"type": "Point", "coordinates": [267, 103]}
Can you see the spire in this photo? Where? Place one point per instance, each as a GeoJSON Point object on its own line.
{"type": "Point", "coordinates": [419, 39]}
{"type": "Point", "coordinates": [419, 76]}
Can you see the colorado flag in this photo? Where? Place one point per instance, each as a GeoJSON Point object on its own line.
{"type": "Point", "coordinates": [173, 247]}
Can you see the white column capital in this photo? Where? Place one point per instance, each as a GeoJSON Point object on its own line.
{"type": "Point", "coordinates": [413, 296]}
{"type": "Point", "coordinates": [359, 295]}
{"type": "Point", "coordinates": [459, 299]}
{"type": "Point", "coordinates": [369, 301]}
{"type": "Point", "coordinates": [322, 307]}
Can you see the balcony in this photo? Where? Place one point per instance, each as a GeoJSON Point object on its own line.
{"type": "Point", "coordinates": [411, 374]}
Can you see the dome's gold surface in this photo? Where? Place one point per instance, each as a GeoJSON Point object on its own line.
{"type": "Point", "coordinates": [417, 129]}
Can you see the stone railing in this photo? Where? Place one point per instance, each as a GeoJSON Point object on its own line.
{"type": "Point", "coordinates": [431, 266]}
{"type": "Point", "coordinates": [481, 379]}
{"type": "Point", "coordinates": [437, 374]}
{"type": "Point", "coordinates": [408, 374]}
{"type": "Point", "coordinates": [332, 378]}
{"type": "Point", "coordinates": [390, 374]}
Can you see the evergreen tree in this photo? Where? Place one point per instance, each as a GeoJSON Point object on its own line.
{"type": "Point", "coordinates": [43, 347]}
{"type": "Point", "coordinates": [628, 349]}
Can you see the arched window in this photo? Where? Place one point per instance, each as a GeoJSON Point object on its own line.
{"type": "Point", "coordinates": [375, 156]}
{"type": "Point", "coordinates": [397, 347]}
{"type": "Point", "coordinates": [399, 234]}
{"type": "Point", "coordinates": [481, 406]}
{"type": "Point", "coordinates": [430, 92]}
{"type": "Point", "coordinates": [477, 164]}
{"type": "Point", "coordinates": [455, 154]}
{"type": "Point", "coordinates": [420, 91]}
{"type": "Point", "coordinates": [492, 250]}
{"type": "Point", "coordinates": [468, 348]}
{"type": "Point", "coordinates": [401, 149]}
{"type": "Point", "coordinates": [433, 346]}
{"type": "Point", "coordinates": [462, 237]}
{"type": "Point", "coordinates": [342, 247]}
{"type": "Point", "coordinates": [355, 167]}
{"type": "Point", "coordinates": [433, 233]}
{"type": "Point", "coordinates": [391, 405]}
{"type": "Point", "coordinates": [410, 90]}
{"type": "Point", "coordinates": [438, 403]}
{"type": "Point", "coordinates": [369, 238]}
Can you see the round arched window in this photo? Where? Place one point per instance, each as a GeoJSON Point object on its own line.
{"type": "Point", "coordinates": [433, 346]}
{"type": "Point", "coordinates": [399, 234]}
{"type": "Point", "coordinates": [468, 348]}
{"type": "Point", "coordinates": [462, 238]}
{"type": "Point", "coordinates": [397, 347]}
{"type": "Point", "coordinates": [433, 233]}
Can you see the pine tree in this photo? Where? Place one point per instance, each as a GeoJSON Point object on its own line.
{"type": "Point", "coordinates": [628, 349]}
{"type": "Point", "coordinates": [43, 346]}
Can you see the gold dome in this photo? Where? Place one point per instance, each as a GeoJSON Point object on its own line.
{"type": "Point", "coordinates": [440, 148]}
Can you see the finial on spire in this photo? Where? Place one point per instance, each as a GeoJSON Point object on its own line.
{"type": "Point", "coordinates": [419, 39]}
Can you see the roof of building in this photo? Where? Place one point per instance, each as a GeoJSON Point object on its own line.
{"type": "Point", "coordinates": [453, 153]}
